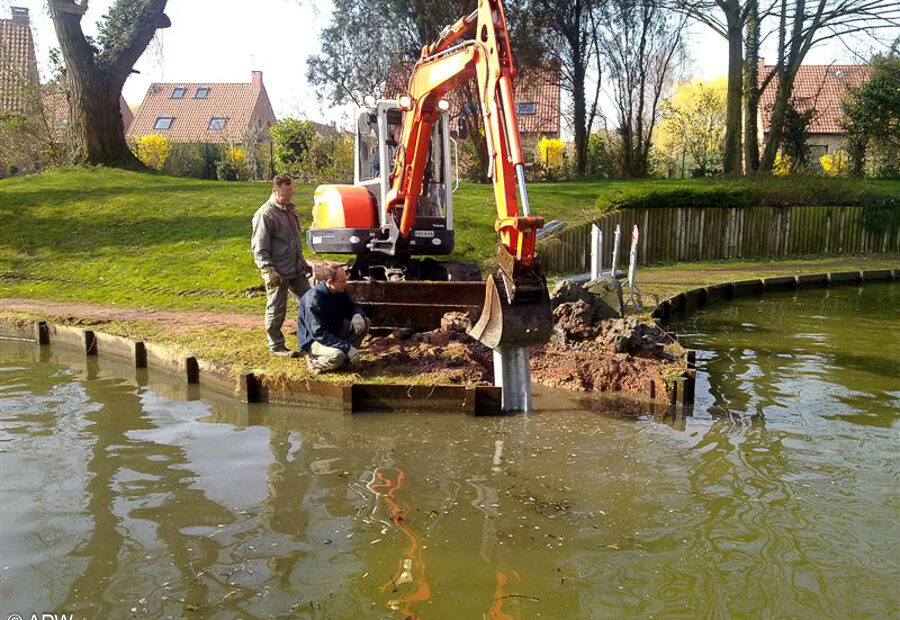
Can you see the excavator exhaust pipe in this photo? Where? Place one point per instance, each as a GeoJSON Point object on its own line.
{"type": "Point", "coordinates": [511, 328]}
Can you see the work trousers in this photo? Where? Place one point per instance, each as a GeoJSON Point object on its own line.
{"type": "Point", "coordinates": [276, 307]}
{"type": "Point", "coordinates": [323, 358]}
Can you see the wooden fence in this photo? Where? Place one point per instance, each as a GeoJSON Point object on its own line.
{"type": "Point", "coordinates": [698, 234]}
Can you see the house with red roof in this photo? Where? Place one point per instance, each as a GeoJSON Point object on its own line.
{"type": "Point", "coordinates": [19, 85]}
{"type": "Point", "coordinates": [822, 88]}
{"type": "Point", "coordinates": [204, 112]}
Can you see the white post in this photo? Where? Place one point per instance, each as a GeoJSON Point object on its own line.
{"type": "Point", "coordinates": [632, 258]}
{"type": "Point", "coordinates": [596, 252]}
{"type": "Point", "coordinates": [632, 264]}
{"type": "Point", "coordinates": [615, 256]}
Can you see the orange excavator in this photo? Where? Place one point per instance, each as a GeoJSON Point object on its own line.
{"type": "Point", "coordinates": [401, 202]}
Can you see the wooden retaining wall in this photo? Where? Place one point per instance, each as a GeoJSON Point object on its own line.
{"type": "Point", "coordinates": [252, 388]}
{"type": "Point", "coordinates": [687, 301]}
{"type": "Point", "coordinates": [707, 233]}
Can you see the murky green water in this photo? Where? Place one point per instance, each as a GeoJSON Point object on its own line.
{"type": "Point", "coordinates": [778, 498]}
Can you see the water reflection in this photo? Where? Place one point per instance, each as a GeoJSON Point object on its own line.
{"type": "Point", "coordinates": [141, 494]}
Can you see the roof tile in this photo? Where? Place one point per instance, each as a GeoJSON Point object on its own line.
{"type": "Point", "coordinates": [822, 87]}
{"type": "Point", "coordinates": [242, 104]}
{"type": "Point", "coordinates": [18, 66]}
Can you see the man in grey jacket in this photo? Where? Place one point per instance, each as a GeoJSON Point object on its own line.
{"type": "Point", "coordinates": [279, 256]}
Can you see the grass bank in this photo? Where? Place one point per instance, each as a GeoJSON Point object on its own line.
{"type": "Point", "coordinates": [144, 240]}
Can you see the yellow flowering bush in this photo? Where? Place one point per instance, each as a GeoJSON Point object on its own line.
{"type": "Point", "coordinates": [153, 150]}
{"type": "Point", "coordinates": [782, 166]}
{"type": "Point", "coordinates": [835, 165]}
{"type": "Point", "coordinates": [551, 152]}
{"type": "Point", "coordinates": [236, 155]}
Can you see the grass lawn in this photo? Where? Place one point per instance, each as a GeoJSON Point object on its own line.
{"type": "Point", "coordinates": [127, 238]}
{"type": "Point", "coordinates": [123, 238]}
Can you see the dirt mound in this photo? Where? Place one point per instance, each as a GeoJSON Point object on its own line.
{"type": "Point", "coordinates": [585, 354]}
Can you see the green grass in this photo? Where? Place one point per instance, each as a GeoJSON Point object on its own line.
{"type": "Point", "coordinates": [136, 239]}
{"type": "Point", "coordinates": [142, 240]}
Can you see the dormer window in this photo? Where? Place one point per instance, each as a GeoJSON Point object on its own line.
{"type": "Point", "coordinates": [216, 123]}
{"type": "Point", "coordinates": [178, 92]}
{"type": "Point", "coordinates": [527, 108]}
{"type": "Point", "coordinates": [163, 122]}
{"type": "Point", "coordinates": [202, 92]}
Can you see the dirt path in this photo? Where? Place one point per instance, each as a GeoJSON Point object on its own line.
{"type": "Point", "coordinates": [87, 313]}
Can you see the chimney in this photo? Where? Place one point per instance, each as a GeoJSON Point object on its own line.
{"type": "Point", "coordinates": [256, 79]}
{"type": "Point", "coordinates": [19, 16]}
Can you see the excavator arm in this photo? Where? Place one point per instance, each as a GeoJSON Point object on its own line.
{"type": "Point", "coordinates": [517, 306]}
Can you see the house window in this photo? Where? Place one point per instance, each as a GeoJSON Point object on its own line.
{"type": "Point", "coordinates": [528, 108]}
{"type": "Point", "coordinates": [202, 92]}
{"type": "Point", "coordinates": [178, 92]}
{"type": "Point", "coordinates": [217, 122]}
{"type": "Point", "coordinates": [63, 123]}
{"type": "Point", "coordinates": [163, 122]}
{"type": "Point", "coordinates": [814, 154]}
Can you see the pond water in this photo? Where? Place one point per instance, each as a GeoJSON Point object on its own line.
{"type": "Point", "coordinates": [126, 495]}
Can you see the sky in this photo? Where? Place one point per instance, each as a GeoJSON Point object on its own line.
{"type": "Point", "coordinates": [224, 40]}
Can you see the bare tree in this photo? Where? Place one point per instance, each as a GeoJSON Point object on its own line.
{"type": "Point", "coordinates": [569, 30]}
{"type": "Point", "coordinates": [394, 32]}
{"type": "Point", "coordinates": [801, 27]}
{"type": "Point", "coordinates": [96, 72]}
{"type": "Point", "coordinates": [727, 18]}
{"type": "Point", "coordinates": [640, 41]}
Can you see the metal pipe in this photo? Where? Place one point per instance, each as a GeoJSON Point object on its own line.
{"type": "Point", "coordinates": [523, 193]}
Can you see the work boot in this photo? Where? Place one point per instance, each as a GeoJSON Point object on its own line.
{"type": "Point", "coordinates": [283, 351]}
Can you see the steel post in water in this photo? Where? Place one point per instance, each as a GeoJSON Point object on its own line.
{"type": "Point", "coordinates": [596, 252]}
{"type": "Point", "coordinates": [513, 375]}
{"type": "Point", "coordinates": [615, 257]}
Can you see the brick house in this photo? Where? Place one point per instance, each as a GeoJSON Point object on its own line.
{"type": "Point", "coordinates": [822, 87]}
{"type": "Point", "coordinates": [204, 112]}
{"type": "Point", "coordinates": [19, 82]}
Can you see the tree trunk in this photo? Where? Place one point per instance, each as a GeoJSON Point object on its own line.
{"type": "Point", "coordinates": [751, 92]}
{"type": "Point", "coordinates": [579, 116]}
{"type": "Point", "coordinates": [776, 122]}
{"type": "Point", "coordinates": [95, 78]}
{"type": "Point", "coordinates": [96, 120]}
{"type": "Point", "coordinates": [733, 119]}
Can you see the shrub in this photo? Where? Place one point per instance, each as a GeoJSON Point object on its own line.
{"type": "Point", "coordinates": [835, 165]}
{"type": "Point", "coordinates": [226, 170]}
{"type": "Point", "coordinates": [153, 150]}
{"type": "Point", "coordinates": [772, 192]}
{"type": "Point", "coordinates": [550, 151]}
{"type": "Point", "coordinates": [880, 212]}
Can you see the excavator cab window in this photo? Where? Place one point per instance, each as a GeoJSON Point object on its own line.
{"type": "Point", "coordinates": [367, 132]}
{"type": "Point", "coordinates": [432, 202]}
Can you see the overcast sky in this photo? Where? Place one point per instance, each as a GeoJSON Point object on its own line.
{"type": "Point", "coordinates": [223, 40]}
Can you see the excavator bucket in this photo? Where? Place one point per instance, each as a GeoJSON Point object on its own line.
{"type": "Point", "coordinates": [525, 322]}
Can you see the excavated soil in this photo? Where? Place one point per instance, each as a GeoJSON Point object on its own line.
{"type": "Point", "coordinates": [621, 355]}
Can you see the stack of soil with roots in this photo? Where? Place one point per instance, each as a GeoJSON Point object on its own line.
{"type": "Point", "coordinates": [593, 348]}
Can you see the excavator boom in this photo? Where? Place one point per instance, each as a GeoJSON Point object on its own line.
{"type": "Point", "coordinates": [517, 305]}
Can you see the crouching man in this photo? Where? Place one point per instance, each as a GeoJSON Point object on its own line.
{"type": "Point", "coordinates": [330, 326]}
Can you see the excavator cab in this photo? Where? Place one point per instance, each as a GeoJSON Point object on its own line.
{"type": "Point", "coordinates": [352, 219]}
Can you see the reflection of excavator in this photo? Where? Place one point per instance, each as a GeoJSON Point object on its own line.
{"type": "Point", "coordinates": [405, 207]}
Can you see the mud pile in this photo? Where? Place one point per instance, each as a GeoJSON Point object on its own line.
{"type": "Point", "coordinates": [593, 349]}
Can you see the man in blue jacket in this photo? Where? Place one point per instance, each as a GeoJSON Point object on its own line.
{"type": "Point", "coordinates": [330, 326]}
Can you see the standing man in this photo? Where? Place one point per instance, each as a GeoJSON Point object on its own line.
{"type": "Point", "coordinates": [330, 326]}
{"type": "Point", "coordinates": [278, 254]}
